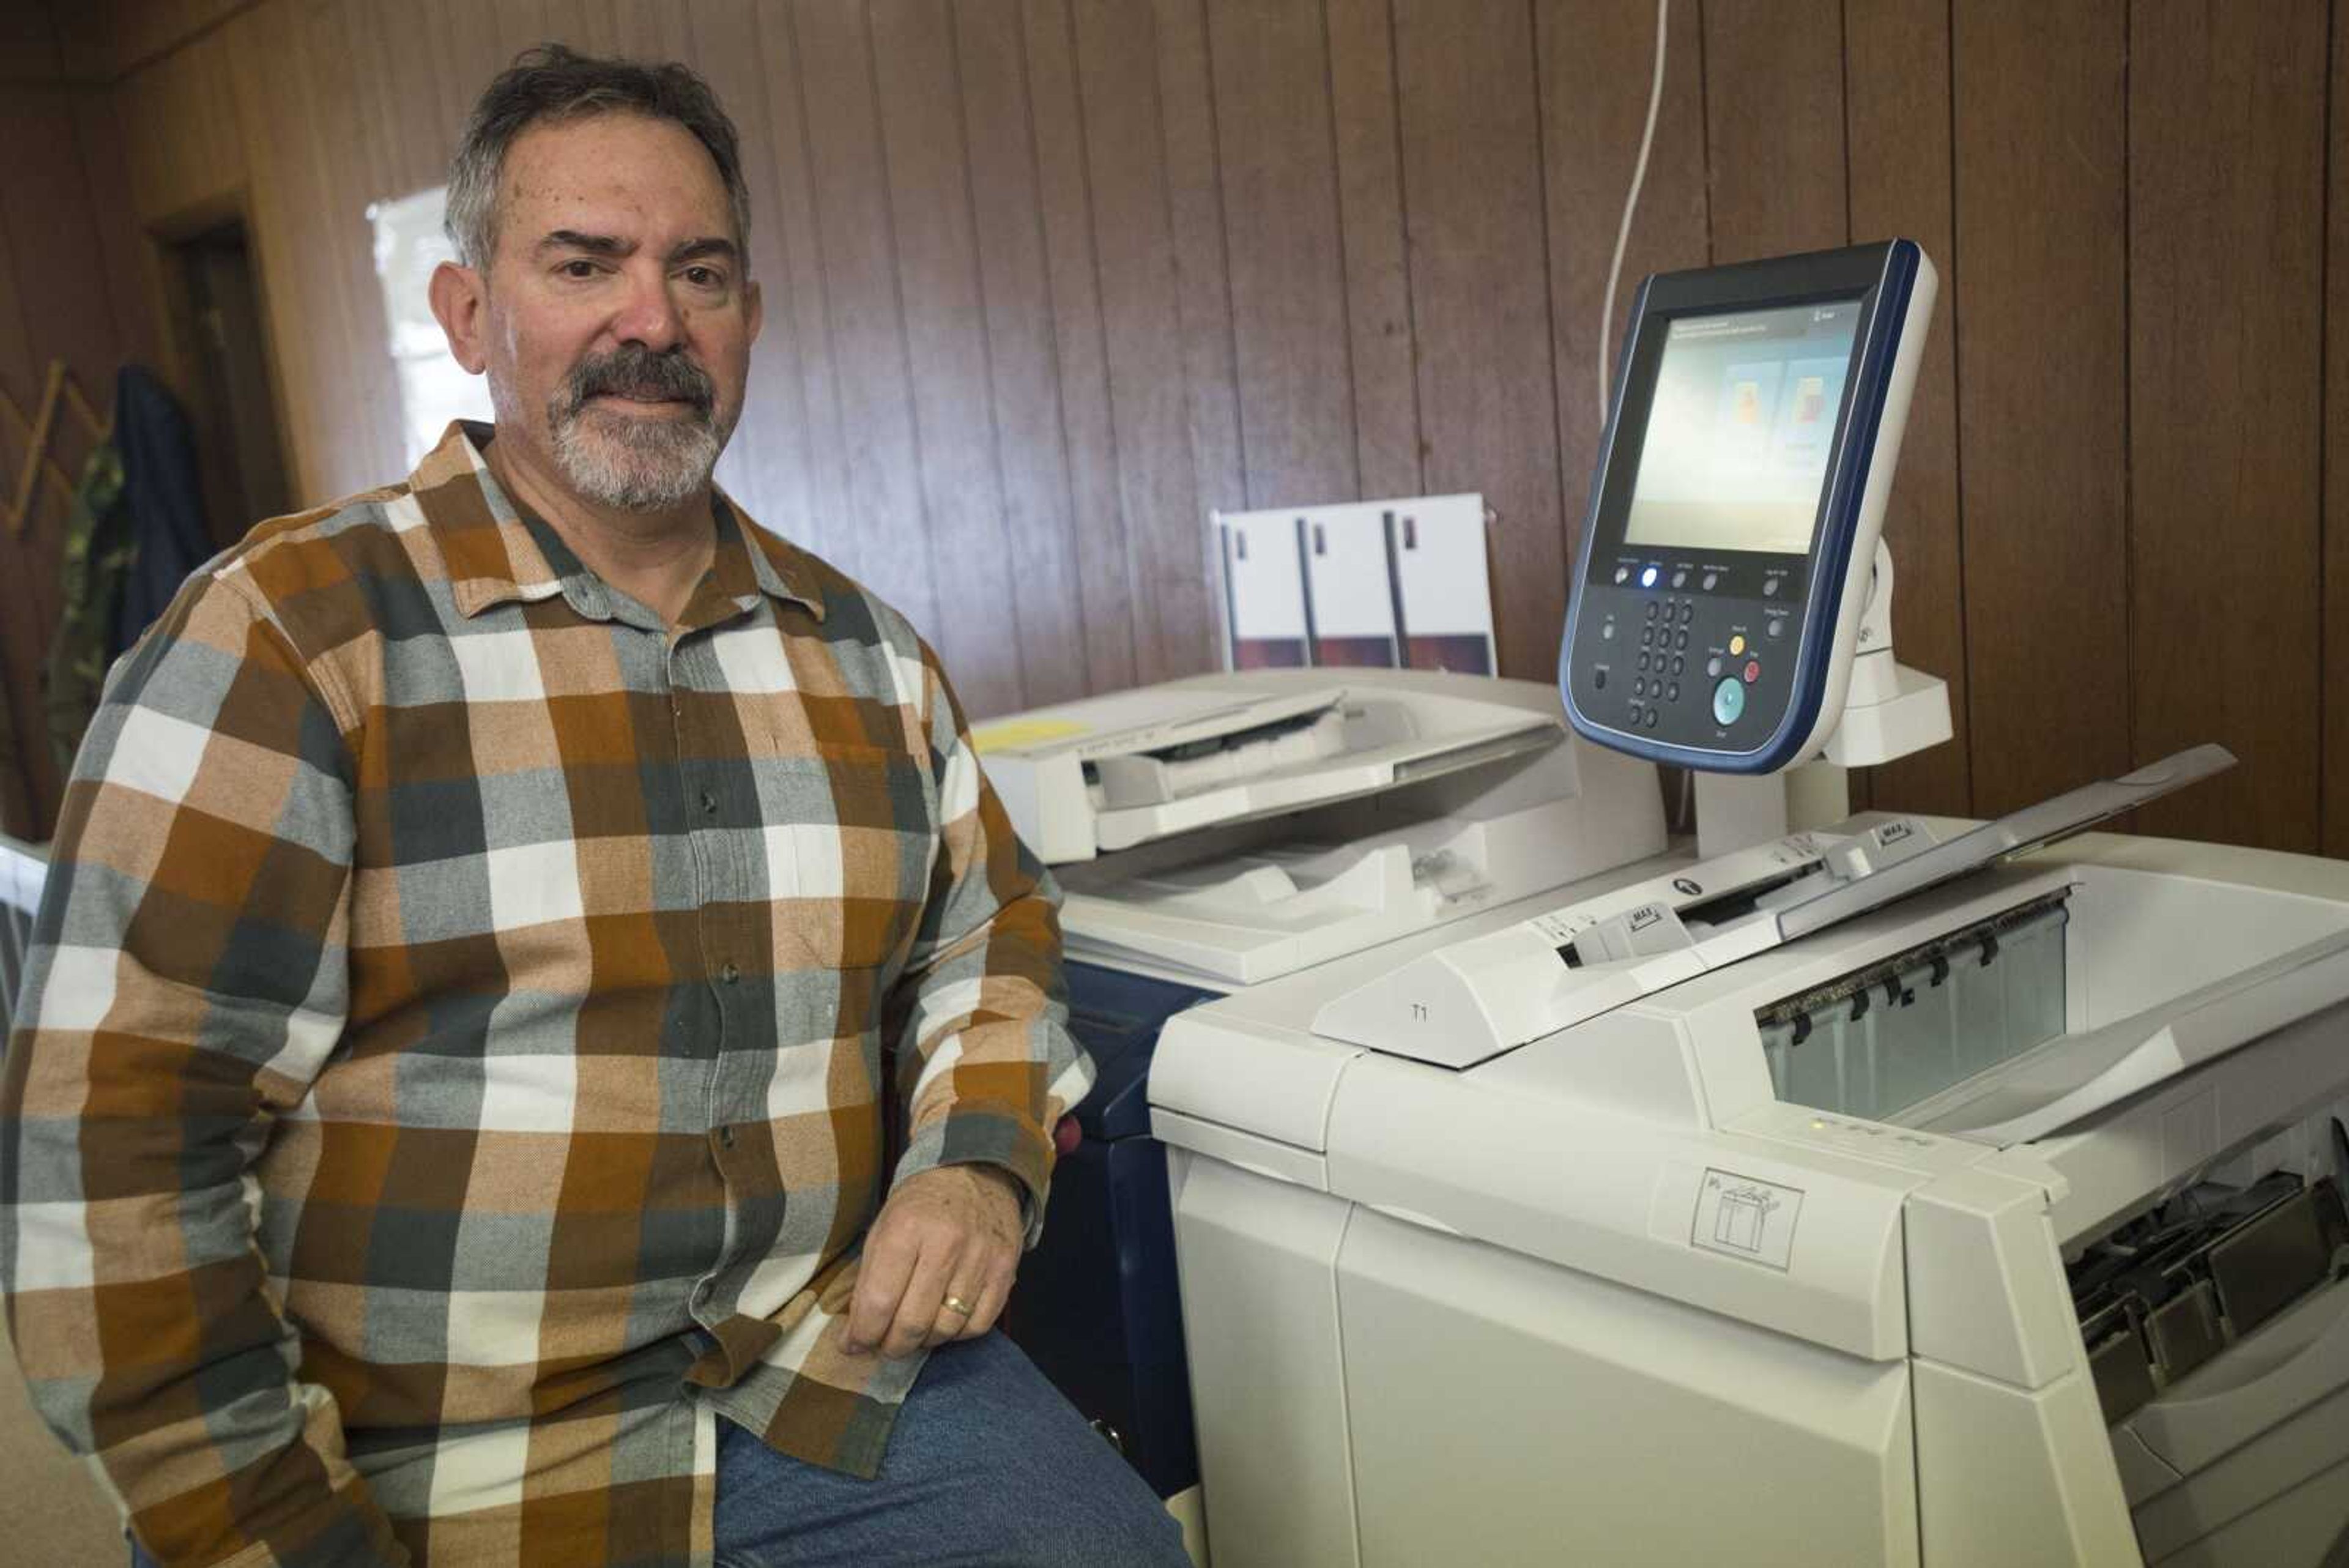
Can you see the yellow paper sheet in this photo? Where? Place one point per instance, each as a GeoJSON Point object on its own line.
{"type": "Point", "coordinates": [1018, 734]}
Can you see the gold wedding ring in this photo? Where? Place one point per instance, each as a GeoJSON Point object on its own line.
{"type": "Point", "coordinates": [958, 1306]}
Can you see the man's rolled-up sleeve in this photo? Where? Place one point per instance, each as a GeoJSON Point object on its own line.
{"type": "Point", "coordinates": [985, 1063]}
{"type": "Point", "coordinates": [187, 983]}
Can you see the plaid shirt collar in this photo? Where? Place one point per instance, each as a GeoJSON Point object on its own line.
{"type": "Point", "coordinates": [496, 554]}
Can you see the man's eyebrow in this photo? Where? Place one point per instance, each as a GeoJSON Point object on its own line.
{"type": "Point", "coordinates": [707, 245]}
{"type": "Point", "coordinates": [595, 245]}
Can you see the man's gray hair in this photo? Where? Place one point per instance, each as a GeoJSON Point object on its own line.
{"type": "Point", "coordinates": [549, 83]}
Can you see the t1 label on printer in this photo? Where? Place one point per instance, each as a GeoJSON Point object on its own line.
{"type": "Point", "coordinates": [1743, 1217]}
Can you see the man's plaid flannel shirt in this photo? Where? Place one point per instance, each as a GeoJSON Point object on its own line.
{"type": "Point", "coordinates": [470, 1027]}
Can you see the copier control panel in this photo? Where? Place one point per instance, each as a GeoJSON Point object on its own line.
{"type": "Point", "coordinates": [1733, 518]}
{"type": "Point", "coordinates": [1692, 652]}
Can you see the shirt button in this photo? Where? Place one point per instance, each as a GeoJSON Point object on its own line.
{"type": "Point", "coordinates": [726, 1137]}
{"type": "Point", "coordinates": [709, 804]}
{"type": "Point", "coordinates": [730, 973]}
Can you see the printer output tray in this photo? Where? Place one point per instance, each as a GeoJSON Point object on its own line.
{"type": "Point", "coordinates": [2073, 1076]}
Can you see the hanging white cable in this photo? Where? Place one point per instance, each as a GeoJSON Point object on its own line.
{"type": "Point", "coordinates": [1631, 204]}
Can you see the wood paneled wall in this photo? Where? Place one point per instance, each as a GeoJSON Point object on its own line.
{"type": "Point", "coordinates": [1047, 279]}
{"type": "Point", "coordinates": [56, 304]}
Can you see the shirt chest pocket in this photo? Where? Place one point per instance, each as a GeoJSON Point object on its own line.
{"type": "Point", "coordinates": [848, 843]}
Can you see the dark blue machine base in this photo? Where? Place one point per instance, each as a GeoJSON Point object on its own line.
{"type": "Point", "coordinates": [1097, 1307]}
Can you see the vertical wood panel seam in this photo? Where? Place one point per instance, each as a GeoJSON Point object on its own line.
{"type": "Point", "coordinates": [847, 489]}
{"type": "Point", "coordinates": [1704, 127]}
{"type": "Point", "coordinates": [321, 162]}
{"type": "Point", "coordinates": [2324, 434]}
{"type": "Point", "coordinates": [1863, 786]}
{"type": "Point", "coordinates": [1051, 316]}
{"type": "Point", "coordinates": [24, 330]}
{"type": "Point", "coordinates": [1843, 88]}
{"type": "Point", "coordinates": [1101, 326]}
{"type": "Point", "coordinates": [1549, 284]}
{"type": "Point", "coordinates": [693, 58]}
{"type": "Point", "coordinates": [1052, 322]}
{"type": "Point", "coordinates": [303, 453]}
{"type": "Point", "coordinates": [1223, 232]}
{"type": "Point", "coordinates": [1403, 219]}
{"type": "Point", "coordinates": [1957, 397]}
{"type": "Point", "coordinates": [1204, 548]}
{"type": "Point", "coordinates": [31, 733]}
{"type": "Point", "coordinates": [448, 70]}
{"type": "Point", "coordinates": [122, 336]}
{"type": "Point", "coordinates": [1345, 276]}
{"type": "Point", "coordinates": [904, 324]}
{"type": "Point", "coordinates": [1146, 543]}
{"type": "Point", "coordinates": [986, 336]}
{"type": "Point", "coordinates": [2128, 389]}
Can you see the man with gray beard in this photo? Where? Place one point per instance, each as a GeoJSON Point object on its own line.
{"type": "Point", "coordinates": [540, 1044]}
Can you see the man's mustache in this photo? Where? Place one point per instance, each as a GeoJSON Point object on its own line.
{"type": "Point", "coordinates": [633, 370]}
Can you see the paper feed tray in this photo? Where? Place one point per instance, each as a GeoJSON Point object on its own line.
{"type": "Point", "coordinates": [1465, 1003]}
{"type": "Point", "coordinates": [1113, 772]}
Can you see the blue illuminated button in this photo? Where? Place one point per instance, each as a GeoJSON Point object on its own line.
{"type": "Point", "coordinates": [1647, 577]}
{"type": "Point", "coordinates": [1728, 701]}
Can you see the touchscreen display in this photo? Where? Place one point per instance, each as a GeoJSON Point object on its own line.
{"type": "Point", "coordinates": [1741, 427]}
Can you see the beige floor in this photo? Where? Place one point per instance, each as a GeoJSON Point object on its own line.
{"type": "Point", "coordinates": [52, 1514]}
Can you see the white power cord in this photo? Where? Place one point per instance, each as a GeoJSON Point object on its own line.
{"type": "Point", "coordinates": [1631, 204]}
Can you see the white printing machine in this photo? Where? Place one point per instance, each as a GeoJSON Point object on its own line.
{"type": "Point", "coordinates": [1898, 1191]}
{"type": "Point", "coordinates": [1214, 833]}
{"type": "Point", "coordinates": [1762, 1258]}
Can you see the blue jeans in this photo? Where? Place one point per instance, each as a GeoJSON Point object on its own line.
{"type": "Point", "coordinates": [987, 1465]}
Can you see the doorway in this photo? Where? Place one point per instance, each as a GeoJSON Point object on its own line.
{"type": "Point", "coordinates": [223, 348]}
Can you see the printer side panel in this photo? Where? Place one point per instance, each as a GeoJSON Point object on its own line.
{"type": "Point", "coordinates": [1506, 1411]}
{"type": "Point", "coordinates": [2014, 1465]}
{"type": "Point", "coordinates": [1257, 1259]}
{"type": "Point", "coordinates": [2016, 1477]}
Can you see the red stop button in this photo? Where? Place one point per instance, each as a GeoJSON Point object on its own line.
{"type": "Point", "coordinates": [1753, 670]}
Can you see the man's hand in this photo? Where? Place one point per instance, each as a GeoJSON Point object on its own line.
{"type": "Point", "coordinates": [947, 1239]}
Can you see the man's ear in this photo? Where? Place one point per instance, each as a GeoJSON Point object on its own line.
{"type": "Point", "coordinates": [754, 306]}
{"type": "Point", "coordinates": [459, 296]}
